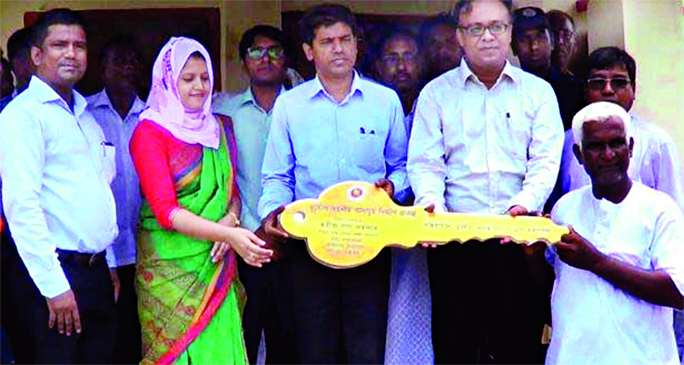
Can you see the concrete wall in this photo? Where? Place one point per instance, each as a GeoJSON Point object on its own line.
{"type": "Point", "coordinates": [236, 17]}
{"type": "Point", "coordinates": [653, 36]}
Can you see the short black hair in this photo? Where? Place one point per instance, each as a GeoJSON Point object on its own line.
{"type": "Point", "coordinates": [261, 30]}
{"type": "Point", "coordinates": [558, 13]}
{"type": "Point", "coordinates": [55, 16]}
{"type": "Point", "coordinates": [465, 6]}
{"type": "Point", "coordinates": [431, 22]}
{"type": "Point", "coordinates": [606, 58]}
{"type": "Point", "coordinates": [325, 15]}
{"type": "Point", "coordinates": [120, 40]}
{"type": "Point", "coordinates": [390, 33]}
{"type": "Point", "coordinates": [19, 44]}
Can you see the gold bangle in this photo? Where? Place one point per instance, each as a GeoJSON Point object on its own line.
{"type": "Point", "coordinates": [235, 218]}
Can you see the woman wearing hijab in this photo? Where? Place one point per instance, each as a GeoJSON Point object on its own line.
{"type": "Point", "coordinates": [188, 291]}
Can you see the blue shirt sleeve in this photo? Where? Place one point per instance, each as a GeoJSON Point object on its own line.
{"type": "Point", "coordinates": [277, 171]}
{"type": "Point", "coordinates": [396, 148]}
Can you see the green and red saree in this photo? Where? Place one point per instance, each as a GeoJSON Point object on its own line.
{"type": "Point", "coordinates": [189, 307]}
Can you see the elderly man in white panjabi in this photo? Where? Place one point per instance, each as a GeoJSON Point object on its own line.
{"type": "Point", "coordinates": [620, 270]}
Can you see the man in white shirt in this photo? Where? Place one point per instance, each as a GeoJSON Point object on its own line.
{"type": "Point", "coordinates": [655, 161]}
{"type": "Point", "coordinates": [116, 109]}
{"type": "Point", "coordinates": [620, 270]}
{"type": "Point", "coordinates": [486, 138]}
{"type": "Point", "coordinates": [56, 167]}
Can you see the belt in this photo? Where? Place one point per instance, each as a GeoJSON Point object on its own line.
{"type": "Point", "coordinates": [83, 259]}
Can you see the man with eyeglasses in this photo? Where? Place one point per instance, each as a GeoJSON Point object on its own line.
{"type": "Point", "coordinates": [655, 161]}
{"type": "Point", "coordinates": [399, 64]}
{"type": "Point", "coordinates": [268, 288]}
{"type": "Point", "coordinates": [563, 33]}
{"type": "Point", "coordinates": [486, 139]}
{"type": "Point", "coordinates": [533, 45]}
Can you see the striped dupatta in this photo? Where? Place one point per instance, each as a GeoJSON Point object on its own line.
{"type": "Point", "coordinates": [189, 307]}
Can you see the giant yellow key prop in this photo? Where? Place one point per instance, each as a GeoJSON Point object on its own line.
{"type": "Point", "coordinates": [352, 221]}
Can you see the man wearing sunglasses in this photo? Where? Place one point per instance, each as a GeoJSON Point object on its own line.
{"type": "Point", "coordinates": [269, 304]}
{"type": "Point", "coordinates": [655, 161]}
{"type": "Point", "coordinates": [486, 139]}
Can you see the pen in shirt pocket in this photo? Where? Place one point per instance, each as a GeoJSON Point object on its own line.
{"type": "Point", "coordinates": [104, 145]}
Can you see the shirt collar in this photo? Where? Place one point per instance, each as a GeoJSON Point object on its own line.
{"type": "Point", "coordinates": [247, 96]}
{"type": "Point", "coordinates": [46, 94]}
{"type": "Point", "coordinates": [465, 73]}
{"type": "Point", "coordinates": [101, 99]}
{"type": "Point", "coordinates": [511, 72]}
{"type": "Point", "coordinates": [317, 87]}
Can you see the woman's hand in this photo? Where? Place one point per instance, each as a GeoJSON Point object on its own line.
{"type": "Point", "coordinates": [230, 220]}
{"type": "Point", "coordinates": [219, 250]}
{"type": "Point", "coordinates": [249, 247]}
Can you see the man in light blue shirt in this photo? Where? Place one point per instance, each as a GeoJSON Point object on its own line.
{"type": "Point", "coordinates": [116, 109]}
{"type": "Point", "coordinates": [56, 167]}
{"type": "Point", "coordinates": [334, 128]}
{"type": "Point", "coordinates": [268, 288]}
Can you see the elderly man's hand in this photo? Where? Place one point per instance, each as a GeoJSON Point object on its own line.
{"type": "Point", "coordinates": [577, 251]}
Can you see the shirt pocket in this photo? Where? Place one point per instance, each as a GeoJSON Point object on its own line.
{"type": "Point", "coordinates": [516, 133]}
{"type": "Point", "coordinates": [368, 152]}
{"type": "Point", "coordinates": [108, 162]}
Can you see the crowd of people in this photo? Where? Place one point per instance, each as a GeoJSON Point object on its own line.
{"type": "Point", "coordinates": [147, 231]}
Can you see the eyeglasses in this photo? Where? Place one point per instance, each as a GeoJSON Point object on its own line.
{"type": "Point", "coordinates": [598, 84]}
{"type": "Point", "coordinates": [563, 34]}
{"type": "Point", "coordinates": [274, 52]}
{"type": "Point", "coordinates": [392, 60]}
{"type": "Point", "coordinates": [477, 30]}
